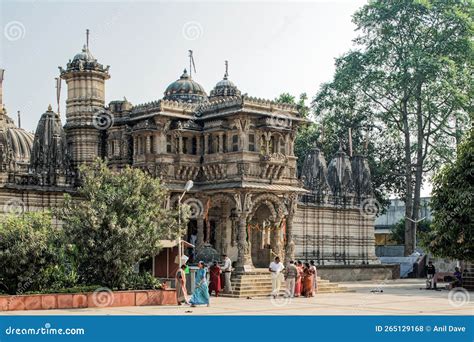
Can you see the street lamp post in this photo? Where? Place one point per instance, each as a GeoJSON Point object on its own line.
{"type": "Point", "coordinates": [415, 223]}
{"type": "Point", "coordinates": [187, 187]}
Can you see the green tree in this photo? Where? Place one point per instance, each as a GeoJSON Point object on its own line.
{"type": "Point", "coordinates": [423, 229]}
{"type": "Point", "coordinates": [453, 206]}
{"type": "Point", "coordinates": [408, 82]}
{"type": "Point", "coordinates": [29, 246]}
{"type": "Point", "coordinates": [116, 220]}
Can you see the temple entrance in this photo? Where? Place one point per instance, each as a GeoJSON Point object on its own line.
{"type": "Point", "coordinates": [263, 236]}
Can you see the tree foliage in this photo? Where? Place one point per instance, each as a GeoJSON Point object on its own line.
{"type": "Point", "coordinates": [453, 206]}
{"type": "Point", "coordinates": [408, 85]}
{"type": "Point", "coordinates": [29, 246]}
{"type": "Point", "coordinates": [116, 220]}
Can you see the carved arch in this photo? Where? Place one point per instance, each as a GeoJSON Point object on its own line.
{"type": "Point", "coordinates": [277, 202]}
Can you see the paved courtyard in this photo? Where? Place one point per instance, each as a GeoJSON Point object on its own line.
{"type": "Point", "coordinates": [399, 297]}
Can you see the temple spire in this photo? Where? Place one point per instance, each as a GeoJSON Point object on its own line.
{"type": "Point", "coordinates": [226, 70]}
{"type": "Point", "coordinates": [191, 63]}
{"type": "Point", "coordinates": [87, 39]}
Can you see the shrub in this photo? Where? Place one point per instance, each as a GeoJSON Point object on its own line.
{"type": "Point", "coordinates": [28, 251]}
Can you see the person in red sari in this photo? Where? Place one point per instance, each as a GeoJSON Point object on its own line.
{"type": "Point", "coordinates": [298, 283]}
{"type": "Point", "coordinates": [215, 279]}
{"type": "Point", "coordinates": [308, 278]}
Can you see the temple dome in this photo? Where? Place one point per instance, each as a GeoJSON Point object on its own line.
{"type": "Point", "coordinates": [185, 90]}
{"type": "Point", "coordinates": [85, 55]}
{"type": "Point", "coordinates": [15, 144]}
{"type": "Point", "coordinates": [50, 155]}
{"type": "Point", "coordinates": [225, 87]}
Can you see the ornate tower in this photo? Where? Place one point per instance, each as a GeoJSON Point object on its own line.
{"type": "Point", "coordinates": [85, 125]}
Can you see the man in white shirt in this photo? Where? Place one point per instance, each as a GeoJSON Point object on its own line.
{"type": "Point", "coordinates": [227, 269]}
{"type": "Point", "coordinates": [276, 267]}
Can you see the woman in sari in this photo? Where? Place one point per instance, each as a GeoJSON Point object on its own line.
{"type": "Point", "coordinates": [298, 284]}
{"type": "Point", "coordinates": [181, 293]}
{"type": "Point", "coordinates": [214, 279]}
{"type": "Point", "coordinates": [315, 276]}
{"type": "Point", "coordinates": [201, 292]}
{"type": "Point", "coordinates": [308, 278]}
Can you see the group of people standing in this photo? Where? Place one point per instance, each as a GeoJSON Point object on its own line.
{"type": "Point", "coordinates": [203, 289]}
{"type": "Point", "coordinates": [300, 279]}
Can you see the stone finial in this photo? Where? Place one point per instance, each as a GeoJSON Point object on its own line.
{"type": "Point", "coordinates": [50, 109]}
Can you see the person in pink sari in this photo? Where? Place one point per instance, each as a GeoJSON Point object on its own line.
{"type": "Point", "coordinates": [299, 284]}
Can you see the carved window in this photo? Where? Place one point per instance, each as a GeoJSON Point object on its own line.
{"type": "Point", "coordinates": [168, 144]}
{"type": "Point", "coordinates": [282, 146]}
{"type": "Point", "coordinates": [235, 143]}
{"type": "Point", "coordinates": [194, 145]}
{"type": "Point", "coordinates": [142, 145]}
{"type": "Point", "coordinates": [252, 142]}
{"type": "Point", "coordinates": [152, 144]}
{"type": "Point", "coordinates": [185, 145]}
{"type": "Point", "coordinates": [271, 145]}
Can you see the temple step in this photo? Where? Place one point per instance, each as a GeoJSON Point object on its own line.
{"type": "Point", "coordinates": [258, 284]}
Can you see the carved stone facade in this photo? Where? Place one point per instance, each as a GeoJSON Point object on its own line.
{"type": "Point", "coordinates": [247, 201]}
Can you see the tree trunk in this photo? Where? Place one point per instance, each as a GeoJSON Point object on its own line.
{"type": "Point", "coordinates": [409, 242]}
{"type": "Point", "coordinates": [418, 166]}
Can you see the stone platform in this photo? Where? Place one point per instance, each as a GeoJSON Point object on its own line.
{"type": "Point", "coordinates": [258, 283]}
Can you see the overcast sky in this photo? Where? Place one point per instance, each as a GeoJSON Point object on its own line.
{"type": "Point", "coordinates": [272, 47]}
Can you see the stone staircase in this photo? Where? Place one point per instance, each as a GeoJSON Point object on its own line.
{"type": "Point", "coordinates": [258, 283]}
{"type": "Point", "coordinates": [468, 281]}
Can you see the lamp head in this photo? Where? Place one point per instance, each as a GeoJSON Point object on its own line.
{"type": "Point", "coordinates": [189, 185]}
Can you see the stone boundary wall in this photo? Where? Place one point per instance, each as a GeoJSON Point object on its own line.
{"type": "Point", "coordinates": [342, 273]}
{"type": "Point", "coordinates": [87, 300]}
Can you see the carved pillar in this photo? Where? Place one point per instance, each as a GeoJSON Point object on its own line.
{"type": "Point", "coordinates": [221, 142]}
{"type": "Point", "coordinates": [198, 145]}
{"type": "Point", "coordinates": [200, 232]}
{"type": "Point", "coordinates": [243, 208]}
{"type": "Point", "coordinates": [180, 144]}
{"type": "Point", "coordinates": [275, 237]}
{"type": "Point", "coordinates": [206, 143]}
{"type": "Point", "coordinates": [290, 244]}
